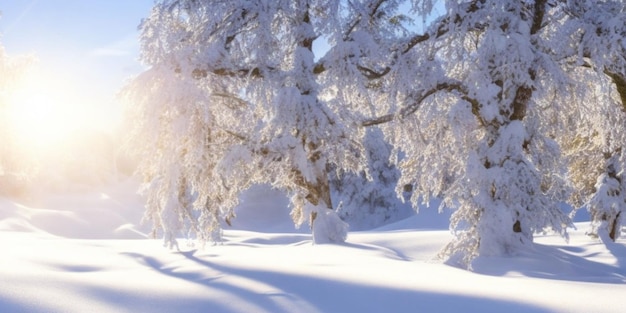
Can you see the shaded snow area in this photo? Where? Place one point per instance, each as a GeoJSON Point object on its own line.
{"type": "Point", "coordinates": [86, 252]}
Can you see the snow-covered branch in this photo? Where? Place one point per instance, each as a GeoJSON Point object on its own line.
{"type": "Point", "coordinates": [484, 94]}
{"type": "Point", "coordinates": [416, 102]}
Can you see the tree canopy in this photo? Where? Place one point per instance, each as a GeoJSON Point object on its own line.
{"type": "Point", "coordinates": [496, 107]}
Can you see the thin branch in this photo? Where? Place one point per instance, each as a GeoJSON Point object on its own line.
{"type": "Point", "coordinates": [371, 74]}
{"type": "Point", "coordinates": [417, 103]}
{"type": "Point", "coordinates": [417, 39]}
{"type": "Point", "coordinates": [234, 134]}
{"type": "Point", "coordinates": [378, 120]}
{"type": "Point", "coordinates": [242, 103]}
{"type": "Point", "coordinates": [255, 72]}
{"type": "Point", "coordinates": [442, 29]}
{"type": "Point", "coordinates": [357, 20]}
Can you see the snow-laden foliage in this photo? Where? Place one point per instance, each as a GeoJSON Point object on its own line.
{"type": "Point", "coordinates": [234, 95]}
{"type": "Point", "coordinates": [593, 148]}
{"type": "Point", "coordinates": [475, 106]}
{"type": "Point", "coordinates": [488, 94]}
{"type": "Point", "coordinates": [608, 201]}
{"type": "Point", "coordinates": [179, 149]}
{"type": "Point", "coordinates": [597, 30]}
{"type": "Point", "coordinates": [369, 202]}
{"type": "Point", "coordinates": [490, 108]}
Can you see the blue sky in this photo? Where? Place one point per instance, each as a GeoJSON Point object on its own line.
{"type": "Point", "coordinates": [91, 45]}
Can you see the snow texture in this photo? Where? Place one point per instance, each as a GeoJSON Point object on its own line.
{"type": "Point", "coordinates": [76, 252]}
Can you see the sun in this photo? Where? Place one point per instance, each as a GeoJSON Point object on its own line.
{"type": "Point", "coordinates": [44, 112]}
{"type": "Point", "coordinates": [37, 115]}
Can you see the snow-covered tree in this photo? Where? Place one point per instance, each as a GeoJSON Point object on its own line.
{"type": "Point", "coordinates": [179, 142]}
{"type": "Point", "coordinates": [488, 96]}
{"type": "Point", "coordinates": [593, 149]}
{"type": "Point", "coordinates": [601, 31]}
{"type": "Point", "coordinates": [235, 95]}
{"type": "Point", "coordinates": [609, 200]}
{"type": "Point", "coordinates": [491, 98]}
{"type": "Point", "coordinates": [593, 48]}
{"type": "Point", "coordinates": [481, 107]}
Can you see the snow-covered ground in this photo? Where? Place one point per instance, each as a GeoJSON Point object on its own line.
{"type": "Point", "coordinates": [86, 252]}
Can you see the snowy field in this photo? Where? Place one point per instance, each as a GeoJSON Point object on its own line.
{"type": "Point", "coordinates": [86, 252]}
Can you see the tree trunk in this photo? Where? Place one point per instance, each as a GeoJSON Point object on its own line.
{"type": "Point", "coordinates": [614, 225]}
{"type": "Point", "coordinates": [326, 225]}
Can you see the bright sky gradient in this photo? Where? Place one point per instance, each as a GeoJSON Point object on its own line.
{"type": "Point", "coordinates": [86, 47]}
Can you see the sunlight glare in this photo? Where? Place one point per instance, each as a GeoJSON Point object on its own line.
{"type": "Point", "coordinates": [45, 112]}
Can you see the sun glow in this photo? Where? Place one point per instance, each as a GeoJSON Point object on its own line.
{"type": "Point", "coordinates": [45, 112]}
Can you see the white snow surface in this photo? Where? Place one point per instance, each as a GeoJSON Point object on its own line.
{"type": "Point", "coordinates": [87, 252]}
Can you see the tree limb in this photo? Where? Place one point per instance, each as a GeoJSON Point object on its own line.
{"type": "Point", "coordinates": [417, 103]}
{"type": "Point", "coordinates": [234, 134]}
{"type": "Point", "coordinates": [371, 74]}
{"type": "Point", "coordinates": [255, 72]}
{"type": "Point", "coordinates": [539, 11]}
{"type": "Point", "coordinates": [442, 29]}
{"type": "Point", "coordinates": [241, 103]}
{"type": "Point", "coordinates": [357, 20]}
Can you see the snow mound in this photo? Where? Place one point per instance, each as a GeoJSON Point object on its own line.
{"type": "Point", "coordinates": [111, 213]}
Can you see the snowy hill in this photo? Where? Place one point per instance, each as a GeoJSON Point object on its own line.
{"type": "Point", "coordinates": [86, 252]}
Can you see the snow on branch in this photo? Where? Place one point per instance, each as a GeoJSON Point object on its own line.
{"type": "Point", "coordinates": [418, 100]}
{"type": "Point", "coordinates": [373, 9]}
{"type": "Point", "coordinates": [240, 73]}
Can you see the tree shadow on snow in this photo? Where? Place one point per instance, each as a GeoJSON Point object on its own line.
{"type": "Point", "coordinates": [287, 292]}
{"type": "Point", "coordinates": [618, 250]}
{"type": "Point", "coordinates": [390, 253]}
{"type": "Point", "coordinates": [557, 263]}
{"type": "Point", "coordinates": [11, 305]}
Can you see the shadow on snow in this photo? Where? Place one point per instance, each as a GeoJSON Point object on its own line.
{"type": "Point", "coordinates": [558, 263]}
{"type": "Point", "coordinates": [287, 292]}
